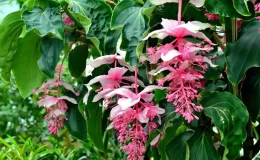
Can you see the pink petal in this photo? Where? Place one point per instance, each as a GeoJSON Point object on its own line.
{"type": "Point", "coordinates": [150, 89]}
{"type": "Point", "coordinates": [170, 55]}
{"type": "Point", "coordinates": [108, 59]}
{"type": "Point", "coordinates": [122, 62]}
{"type": "Point", "coordinates": [161, 34]}
{"type": "Point", "coordinates": [98, 79]}
{"type": "Point", "coordinates": [143, 118]}
{"type": "Point", "coordinates": [72, 100]}
{"type": "Point", "coordinates": [169, 25]}
{"type": "Point", "coordinates": [114, 111]}
{"type": "Point", "coordinates": [101, 94]}
{"type": "Point", "coordinates": [58, 112]}
{"type": "Point", "coordinates": [159, 2]}
{"type": "Point", "coordinates": [128, 102]}
{"type": "Point", "coordinates": [123, 92]}
{"type": "Point", "coordinates": [132, 79]}
{"type": "Point", "coordinates": [155, 140]}
{"type": "Point", "coordinates": [147, 97]}
{"type": "Point", "coordinates": [117, 72]}
{"type": "Point", "coordinates": [67, 86]}
{"type": "Point", "coordinates": [197, 3]}
{"type": "Point", "coordinates": [48, 101]}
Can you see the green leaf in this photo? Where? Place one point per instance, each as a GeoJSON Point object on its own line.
{"type": "Point", "coordinates": [11, 28]}
{"type": "Point", "coordinates": [51, 49]}
{"type": "Point", "coordinates": [26, 72]}
{"type": "Point", "coordinates": [230, 116]}
{"type": "Point", "coordinates": [241, 7]}
{"type": "Point", "coordinates": [202, 147]}
{"type": "Point", "coordinates": [251, 93]}
{"type": "Point", "coordinates": [213, 73]}
{"type": "Point", "coordinates": [94, 122]}
{"type": "Point", "coordinates": [76, 123]}
{"type": "Point", "coordinates": [133, 20]}
{"type": "Point", "coordinates": [110, 42]}
{"type": "Point", "coordinates": [249, 54]}
{"type": "Point", "coordinates": [77, 60]}
{"type": "Point", "coordinates": [33, 3]}
{"type": "Point", "coordinates": [45, 21]}
{"type": "Point", "coordinates": [84, 21]}
{"type": "Point", "coordinates": [218, 86]}
{"type": "Point", "coordinates": [178, 149]}
{"type": "Point", "coordinates": [99, 13]}
{"type": "Point", "coordinates": [226, 8]}
{"type": "Point", "coordinates": [170, 134]}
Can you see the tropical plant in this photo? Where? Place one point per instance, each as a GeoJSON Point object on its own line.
{"type": "Point", "coordinates": [161, 79]}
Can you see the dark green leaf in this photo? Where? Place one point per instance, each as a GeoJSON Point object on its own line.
{"type": "Point", "coordinates": [159, 95]}
{"type": "Point", "coordinates": [249, 54]}
{"type": "Point", "coordinates": [27, 74]}
{"type": "Point", "coordinates": [178, 149]}
{"type": "Point", "coordinates": [99, 13]}
{"type": "Point", "coordinates": [213, 73]}
{"type": "Point", "coordinates": [241, 7]}
{"type": "Point", "coordinates": [51, 49]}
{"type": "Point", "coordinates": [222, 7]}
{"type": "Point", "coordinates": [76, 124]}
{"type": "Point", "coordinates": [110, 42]}
{"type": "Point", "coordinates": [11, 28]}
{"type": "Point", "coordinates": [201, 146]}
{"type": "Point", "coordinates": [77, 60]}
{"type": "Point", "coordinates": [230, 116]}
{"type": "Point", "coordinates": [94, 122]}
{"type": "Point", "coordinates": [134, 21]}
{"type": "Point", "coordinates": [45, 21]}
{"type": "Point", "coordinates": [170, 134]}
{"type": "Point", "coordinates": [251, 93]}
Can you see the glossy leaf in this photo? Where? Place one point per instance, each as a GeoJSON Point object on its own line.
{"type": "Point", "coordinates": [45, 21]}
{"type": "Point", "coordinates": [170, 134]}
{"type": "Point", "coordinates": [99, 13]}
{"type": "Point", "coordinates": [213, 73]}
{"type": "Point", "coordinates": [133, 20]}
{"type": "Point", "coordinates": [94, 122]}
{"type": "Point", "coordinates": [77, 60]}
{"type": "Point", "coordinates": [222, 7]}
{"type": "Point", "coordinates": [27, 74]}
{"type": "Point", "coordinates": [51, 49]}
{"type": "Point", "coordinates": [201, 146]}
{"type": "Point", "coordinates": [76, 124]}
{"type": "Point", "coordinates": [11, 28]}
{"type": "Point", "coordinates": [110, 42]}
{"type": "Point", "coordinates": [241, 7]}
{"type": "Point", "coordinates": [178, 149]}
{"type": "Point", "coordinates": [249, 54]}
{"type": "Point", "coordinates": [230, 116]}
{"type": "Point", "coordinates": [251, 93]}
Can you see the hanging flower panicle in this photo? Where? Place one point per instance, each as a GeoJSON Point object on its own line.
{"type": "Point", "coordinates": [130, 109]}
{"type": "Point", "coordinates": [54, 103]}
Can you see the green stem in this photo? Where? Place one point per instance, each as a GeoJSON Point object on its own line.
{"type": "Point", "coordinates": [72, 17]}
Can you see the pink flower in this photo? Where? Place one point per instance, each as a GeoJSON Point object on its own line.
{"type": "Point", "coordinates": [149, 112]}
{"type": "Point", "coordinates": [130, 99]}
{"type": "Point", "coordinates": [67, 20]}
{"type": "Point", "coordinates": [49, 101]}
{"type": "Point", "coordinates": [171, 28]}
{"type": "Point", "coordinates": [212, 17]}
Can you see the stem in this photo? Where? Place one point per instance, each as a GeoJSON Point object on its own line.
{"type": "Point", "coordinates": [221, 45]}
{"type": "Point", "coordinates": [179, 12]}
{"type": "Point", "coordinates": [75, 20]}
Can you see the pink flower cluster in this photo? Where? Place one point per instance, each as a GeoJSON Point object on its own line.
{"type": "Point", "coordinates": [131, 110]}
{"type": "Point", "coordinates": [55, 105]}
{"type": "Point", "coordinates": [212, 17]}
{"type": "Point", "coordinates": [67, 20]}
{"type": "Point", "coordinates": [185, 61]}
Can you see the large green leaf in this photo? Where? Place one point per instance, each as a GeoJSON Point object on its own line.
{"type": "Point", "coordinates": [26, 72]}
{"type": "Point", "coordinates": [170, 134]}
{"type": "Point", "coordinates": [178, 149]}
{"type": "Point", "coordinates": [133, 19]}
{"type": "Point", "coordinates": [94, 122]}
{"type": "Point", "coordinates": [51, 49]}
{"type": "Point", "coordinates": [227, 9]}
{"type": "Point", "coordinates": [202, 147]}
{"type": "Point", "coordinates": [77, 60]}
{"type": "Point", "coordinates": [11, 28]}
{"type": "Point", "coordinates": [45, 21]}
{"type": "Point", "coordinates": [230, 116]}
{"type": "Point", "coordinates": [241, 7]}
{"type": "Point", "coordinates": [251, 93]}
{"type": "Point", "coordinates": [99, 13]}
{"type": "Point", "coordinates": [110, 42]}
{"type": "Point", "coordinates": [241, 57]}
{"type": "Point", "coordinates": [76, 123]}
